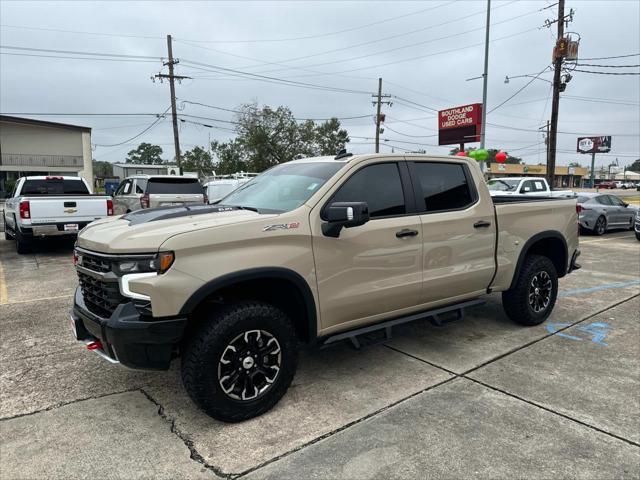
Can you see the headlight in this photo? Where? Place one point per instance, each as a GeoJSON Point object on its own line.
{"type": "Point", "coordinates": [160, 263]}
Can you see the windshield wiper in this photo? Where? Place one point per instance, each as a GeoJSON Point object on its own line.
{"type": "Point", "coordinates": [242, 207]}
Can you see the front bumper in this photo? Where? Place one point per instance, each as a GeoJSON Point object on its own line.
{"type": "Point", "coordinates": [127, 337]}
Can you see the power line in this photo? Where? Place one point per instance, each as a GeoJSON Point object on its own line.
{"type": "Point", "coordinates": [79, 58]}
{"type": "Point", "coordinates": [295, 118]}
{"type": "Point", "coordinates": [153, 124]}
{"type": "Point", "coordinates": [269, 79]}
{"type": "Point", "coordinates": [605, 73]}
{"type": "Point", "coordinates": [606, 66]}
{"type": "Point", "coordinates": [326, 34]}
{"type": "Point", "coordinates": [608, 58]}
{"type": "Point", "coordinates": [50, 114]}
{"type": "Point", "coordinates": [206, 125]}
{"type": "Point", "coordinates": [411, 102]}
{"type": "Point", "coordinates": [520, 90]}
{"type": "Point", "coordinates": [75, 52]}
{"type": "Point", "coordinates": [24, 27]}
{"type": "Point", "coordinates": [387, 127]}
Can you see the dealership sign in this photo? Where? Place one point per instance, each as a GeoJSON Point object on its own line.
{"type": "Point", "coordinates": [460, 124]}
{"type": "Point", "coordinates": [594, 144]}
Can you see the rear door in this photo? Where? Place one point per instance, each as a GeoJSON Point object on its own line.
{"type": "Point", "coordinates": [124, 198]}
{"type": "Point", "coordinates": [458, 230]}
{"type": "Point", "coordinates": [165, 191]}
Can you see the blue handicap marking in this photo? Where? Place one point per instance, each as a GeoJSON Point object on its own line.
{"type": "Point", "coordinates": [597, 331]}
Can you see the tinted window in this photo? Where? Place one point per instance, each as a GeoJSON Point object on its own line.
{"type": "Point", "coordinates": [538, 186]}
{"type": "Point", "coordinates": [54, 187]}
{"type": "Point", "coordinates": [141, 185]}
{"type": "Point", "coordinates": [444, 186]}
{"type": "Point", "coordinates": [174, 186]}
{"type": "Point", "coordinates": [583, 199]}
{"type": "Point", "coordinates": [616, 201]}
{"type": "Point", "coordinates": [603, 200]}
{"type": "Point", "coordinates": [378, 185]}
{"type": "Point", "coordinates": [127, 187]}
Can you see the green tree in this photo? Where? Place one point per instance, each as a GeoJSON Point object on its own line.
{"type": "Point", "coordinates": [267, 137]}
{"type": "Point", "coordinates": [575, 164]}
{"type": "Point", "coordinates": [635, 166]}
{"type": "Point", "coordinates": [492, 155]}
{"type": "Point", "coordinates": [102, 169]}
{"type": "Point", "coordinates": [146, 154]}
{"type": "Point", "coordinates": [197, 160]}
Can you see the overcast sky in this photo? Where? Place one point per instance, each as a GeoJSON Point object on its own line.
{"type": "Point", "coordinates": [424, 51]}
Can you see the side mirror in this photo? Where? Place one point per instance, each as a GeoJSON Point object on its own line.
{"type": "Point", "coordinates": [341, 215]}
{"type": "Point", "coordinates": [525, 189]}
{"type": "Point", "coordinates": [625, 204]}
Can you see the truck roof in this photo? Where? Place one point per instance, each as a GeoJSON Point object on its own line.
{"type": "Point", "coordinates": [147, 176]}
{"type": "Point", "coordinates": [403, 156]}
{"type": "Point", "coordinates": [517, 178]}
{"type": "Point", "coordinates": [52, 177]}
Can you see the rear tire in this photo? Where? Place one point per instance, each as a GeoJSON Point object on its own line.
{"type": "Point", "coordinates": [534, 294]}
{"type": "Point", "coordinates": [601, 226]}
{"type": "Point", "coordinates": [22, 245]}
{"type": "Point", "coordinates": [638, 236]}
{"type": "Point", "coordinates": [241, 361]}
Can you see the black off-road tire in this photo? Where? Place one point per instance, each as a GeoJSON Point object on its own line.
{"type": "Point", "coordinates": [638, 236]}
{"type": "Point", "coordinates": [205, 347]}
{"type": "Point", "coordinates": [516, 300]}
{"type": "Point", "coordinates": [600, 226]}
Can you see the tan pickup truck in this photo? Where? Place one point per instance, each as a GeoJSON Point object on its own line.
{"type": "Point", "coordinates": [311, 251]}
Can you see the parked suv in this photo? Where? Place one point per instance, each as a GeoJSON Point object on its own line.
{"type": "Point", "coordinates": [147, 191]}
{"type": "Point", "coordinates": [316, 250]}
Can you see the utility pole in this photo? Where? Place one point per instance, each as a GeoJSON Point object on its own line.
{"type": "Point", "coordinates": [485, 75]}
{"type": "Point", "coordinates": [379, 116]}
{"type": "Point", "coordinates": [172, 87]}
{"type": "Point", "coordinates": [592, 179]}
{"type": "Point", "coordinates": [555, 103]}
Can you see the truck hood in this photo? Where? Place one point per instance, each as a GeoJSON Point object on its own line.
{"type": "Point", "coordinates": [146, 230]}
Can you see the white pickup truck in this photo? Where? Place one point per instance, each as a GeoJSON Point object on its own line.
{"type": "Point", "coordinates": [532, 186]}
{"type": "Point", "coordinates": [51, 206]}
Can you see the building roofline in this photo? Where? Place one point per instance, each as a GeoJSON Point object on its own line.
{"type": "Point", "coordinates": [43, 123]}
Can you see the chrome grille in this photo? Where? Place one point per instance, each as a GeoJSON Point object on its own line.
{"type": "Point", "coordinates": [95, 263]}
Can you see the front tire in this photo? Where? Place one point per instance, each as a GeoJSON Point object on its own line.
{"type": "Point", "coordinates": [241, 361]}
{"type": "Point", "coordinates": [601, 226]}
{"type": "Point", "coordinates": [534, 294]}
{"type": "Point", "coordinates": [638, 236]}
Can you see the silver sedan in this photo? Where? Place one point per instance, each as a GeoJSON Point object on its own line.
{"type": "Point", "coordinates": [601, 212]}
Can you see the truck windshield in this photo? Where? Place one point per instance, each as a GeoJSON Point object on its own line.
{"type": "Point", "coordinates": [54, 186]}
{"type": "Point", "coordinates": [502, 185]}
{"type": "Point", "coordinates": [283, 187]}
{"type": "Point", "coordinates": [174, 186]}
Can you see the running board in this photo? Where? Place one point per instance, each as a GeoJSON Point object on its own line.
{"type": "Point", "coordinates": [432, 315]}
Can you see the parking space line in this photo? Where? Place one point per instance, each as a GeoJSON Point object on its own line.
{"type": "Point", "coordinates": [4, 296]}
{"type": "Point", "coordinates": [37, 299]}
{"type": "Point", "coordinates": [607, 286]}
{"type": "Point", "coordinates": [600, 240]}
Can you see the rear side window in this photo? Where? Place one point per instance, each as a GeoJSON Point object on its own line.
{"type": "Point", "coordinates": [54, 187]}
{"type": "Point", "coordinates": [379, 185]}
{"type": "Point", "coordinates": [174, 186]}
{"type": "Point", "coordinates": [603, 200]}
{"type": "Point", "coordinates": [141, 185]}
{"type": "Point", "coordinates": [443, 186]}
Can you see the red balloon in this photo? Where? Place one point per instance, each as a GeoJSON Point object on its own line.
{"type": "Point", "coordinates": [461, 154]}
{"type": "Point", "coordinates": [501, 157]}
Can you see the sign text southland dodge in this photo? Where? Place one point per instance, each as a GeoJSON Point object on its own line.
{"type": "Point", "coordinates": [460, 124]}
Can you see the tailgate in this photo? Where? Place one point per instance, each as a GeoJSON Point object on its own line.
{"type": "Point", "coordinates": [66, 209]}
{"type": "Point", "coordinates": [166, 199]}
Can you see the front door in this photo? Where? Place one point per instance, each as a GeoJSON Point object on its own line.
{"type": "Point", "coordinates": [122, 196]}
{"type": "Point", "coordinates": [374, 269]}
{"type": "Point", "coordinates": [458, 230]}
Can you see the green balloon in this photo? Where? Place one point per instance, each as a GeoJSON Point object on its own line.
{"type": "Point", "coordinates": [482, 155]}
{"type": "Point", "coordinates": [473, 154]}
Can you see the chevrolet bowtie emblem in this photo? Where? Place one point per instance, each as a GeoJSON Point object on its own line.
{"type": "Point", "coordinates": [70, 210]}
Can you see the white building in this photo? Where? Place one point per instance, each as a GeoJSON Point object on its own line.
{"type": "Point", "coordinates": [39, 147]}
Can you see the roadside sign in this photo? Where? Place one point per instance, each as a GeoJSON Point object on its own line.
{"type": "Point", "coordinates": [459, 125]}
{"type": "Point", "coordinates": [594, 144]}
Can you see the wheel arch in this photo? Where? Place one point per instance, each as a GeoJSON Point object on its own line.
{"type": "Point", "coordinates": [550, 244]}
{"type": "Point", "coordinates": [281, 287]}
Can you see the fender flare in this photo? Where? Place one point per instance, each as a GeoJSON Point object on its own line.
{"type": "Point", "coordinates": [255, 274]}
{"type": "Point", "coordinates": [527, 246]}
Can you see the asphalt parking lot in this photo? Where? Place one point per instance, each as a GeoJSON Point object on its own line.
{"type": "Point", "coordinates": [477, 398]}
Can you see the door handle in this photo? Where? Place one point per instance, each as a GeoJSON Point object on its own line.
{"type": "Point", "coordinates": [481, 224]}
{"type": "Point", "coordinates": [405, 232]}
